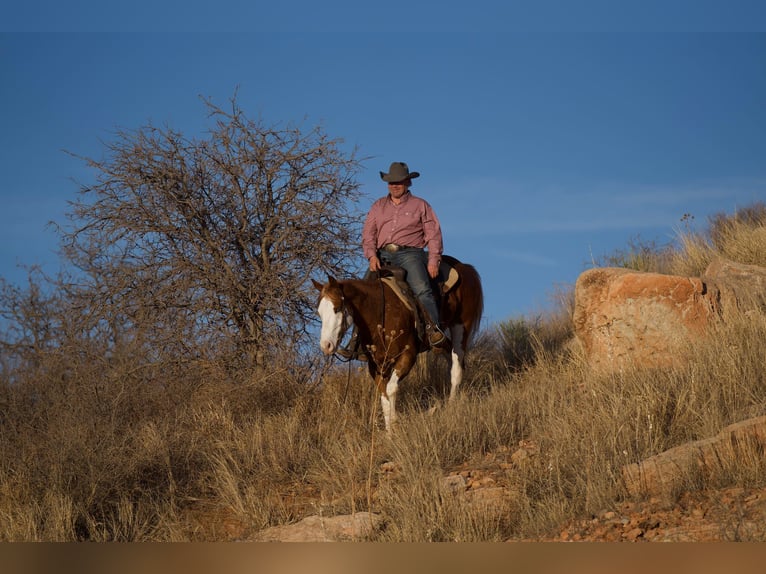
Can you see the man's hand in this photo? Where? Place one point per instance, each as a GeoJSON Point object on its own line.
{"type": "Point", "coordinates": [433, 269]}
{"type": "Point", "coordinates": [374, 263]}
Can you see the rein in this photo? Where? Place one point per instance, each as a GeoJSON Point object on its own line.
{"type": "Point", "coordinates": [382, 308]}
{"type": "Point", "coordinates": [343, 359]}
{"type": "Point", "coordinates": [382, 316]}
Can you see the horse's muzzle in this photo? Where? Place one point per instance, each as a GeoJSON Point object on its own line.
{"type": "Point", "coordinates": [328, 347]}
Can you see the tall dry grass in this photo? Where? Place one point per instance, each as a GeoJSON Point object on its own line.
{"type": "Point", "coordinates": [740, 237]}
{"type": "Point", "coordinates": [114, 452]}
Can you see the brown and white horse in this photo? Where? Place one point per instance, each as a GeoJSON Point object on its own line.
{"type": "Point", "coordinates": [387, 331]}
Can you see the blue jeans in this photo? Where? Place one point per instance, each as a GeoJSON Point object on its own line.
{"type": "Point", "coordinates": [415, 263]}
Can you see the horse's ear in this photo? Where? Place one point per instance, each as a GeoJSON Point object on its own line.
{"type": "Point", "coordinates": [331, 280]}
{"type": "Point", "coordinates": [317, 284]}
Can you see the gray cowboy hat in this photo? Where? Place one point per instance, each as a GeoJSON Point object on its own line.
{"type": "Point", "coordinates": [398, 172]}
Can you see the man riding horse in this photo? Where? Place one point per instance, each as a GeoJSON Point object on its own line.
{"type": "Point", "coordinates": [397, 230]}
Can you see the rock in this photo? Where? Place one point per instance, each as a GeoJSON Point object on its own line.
{"type": "Point", "coordinates": [493, 497]}
{"type": "Point", "coordinates": [628, 318]}
{"type": "Point", "coordinates": [624, 318]}
{"type": "Point", "coordinates": [633, 534]}
{"type": "Point", "coordinates": [736, 286]}
{"type": "Point", "coordinates": [454, 483]}
{"type": "Point", "coordinates": [348, 527]}
{"type": "Point", "coordinates": [527, 450]}
{"type": "Point", "coordinates": [659, 475]}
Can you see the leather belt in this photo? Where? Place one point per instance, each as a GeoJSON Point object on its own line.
{"type": "Point", "coordinates": [393, 247]}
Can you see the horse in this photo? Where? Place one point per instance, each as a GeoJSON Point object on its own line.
{"type": "Point", "coordinates": [387, 326]}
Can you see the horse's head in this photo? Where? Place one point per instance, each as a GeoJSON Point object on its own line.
{"type": "Point", "coordinates": [335, 317]}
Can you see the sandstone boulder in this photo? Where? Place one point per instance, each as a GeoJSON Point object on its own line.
{"type": "Point", "coordinates": [736, 286]}
{"type": "Point", "coordinates": [659, 475]}
{"type": "Point", "coordinates": [623, 317]}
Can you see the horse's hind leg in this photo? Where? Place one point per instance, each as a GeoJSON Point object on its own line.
{"type": "Point", "coordinates": [457, 333]}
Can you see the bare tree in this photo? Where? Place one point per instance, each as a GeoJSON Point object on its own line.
{"type": "Point", "coordinates": [210, 242]}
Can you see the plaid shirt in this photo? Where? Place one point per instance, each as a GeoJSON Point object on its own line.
{"type": "Point", "coordinates": [412, 223]}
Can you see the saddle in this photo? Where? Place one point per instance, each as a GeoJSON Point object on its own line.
{"type": "Point", "coordinates": [396, 279]}
{"type": "Point", "coordinates": [446, 280]}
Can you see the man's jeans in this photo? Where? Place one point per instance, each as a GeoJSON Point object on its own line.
{"type": "Point", "coordinates": [415, 263]}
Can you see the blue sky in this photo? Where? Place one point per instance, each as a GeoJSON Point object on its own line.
{"type": "Point", "coordinates": [540, 149]}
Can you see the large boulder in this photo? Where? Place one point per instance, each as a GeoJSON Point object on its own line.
{"type": "Point", "coordinates": [662, 473]}
{"type": "Point", "coordinates": [736, 287]}
{"type": "Point", "coordinates": [624, 318]}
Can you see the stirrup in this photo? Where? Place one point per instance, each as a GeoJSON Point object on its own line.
{"type": "Point", "coordinates": [436, 337]}
{"type": "Point", "coordinates": [350, 354]}
{"type": "Point", "coordinates": [345, 353]}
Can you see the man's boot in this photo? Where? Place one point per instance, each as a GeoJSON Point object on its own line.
{"type": "Point", "coordinates": [351, 350]}
{"type": "Point", "coordinates": [436, 337]}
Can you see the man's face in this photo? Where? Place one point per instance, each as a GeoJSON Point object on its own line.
{"type": "Point", "coordinates": [398, 189]}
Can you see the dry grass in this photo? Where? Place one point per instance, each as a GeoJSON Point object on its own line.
{"type": "Point", "coordinates": [740, 237]}
{"type": "Point", "coordinates": [109, 452]}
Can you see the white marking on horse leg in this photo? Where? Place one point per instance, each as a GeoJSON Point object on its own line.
{"type": "Point", "coordinates": [458, 357]}
{"type": "Point", "coordinates": [385, 405]}
{"type": "Point", "coordinates": [456, 375]}
{"type": "Point", "coordinates": [332, 323]}
{"type": "Point", "coordinates": [388, 401]}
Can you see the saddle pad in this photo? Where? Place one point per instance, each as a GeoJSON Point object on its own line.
{"type": "Point", "coordinates": [448, 278]}
{"type": "Point", "coordinates": [450, 274]}
{"type": "Point", "coordinates": [403, 291]}
{"type": "Point", "coordinates": [399, 289]}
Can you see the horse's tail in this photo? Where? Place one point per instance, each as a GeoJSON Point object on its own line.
{"type": "Point", "coordinates": [472, 299]}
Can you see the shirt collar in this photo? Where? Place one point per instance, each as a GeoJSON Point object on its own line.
{"type": "Point", "coordinates": [405, 197]}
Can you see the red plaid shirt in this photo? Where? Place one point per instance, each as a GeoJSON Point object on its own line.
{"type": "Point", "coordinates": [412, 223]}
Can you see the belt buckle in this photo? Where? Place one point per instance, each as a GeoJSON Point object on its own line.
{"type": "Point", "coordinates": [391, 247]}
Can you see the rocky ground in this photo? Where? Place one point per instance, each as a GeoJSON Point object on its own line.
{"type": "Point", "coordinates": [723, 515]}
{"type": "Point", "coordinates": [727, 515]}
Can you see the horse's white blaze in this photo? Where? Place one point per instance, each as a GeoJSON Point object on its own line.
{"type": "Point", "coordinates": [456, 372]}
{"type": "Point", "coordinates": [332, 324]}
{"type": "Point", "coordinates": [388, 400]}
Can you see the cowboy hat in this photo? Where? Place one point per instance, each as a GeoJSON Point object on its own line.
{"type": "Point", "coordinates": [398, 172]}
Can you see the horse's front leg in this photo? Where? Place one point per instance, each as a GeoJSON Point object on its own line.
{"type": "Point", "coordinates": [388, 390]}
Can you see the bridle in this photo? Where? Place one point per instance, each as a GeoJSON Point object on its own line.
{"type": "Point", "coordinates": [346, 321]}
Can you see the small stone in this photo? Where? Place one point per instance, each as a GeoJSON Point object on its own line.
{"type": "Point", "coordinates": [633, 534]}
{"type": "Point", "coordinates": [454, 483]}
